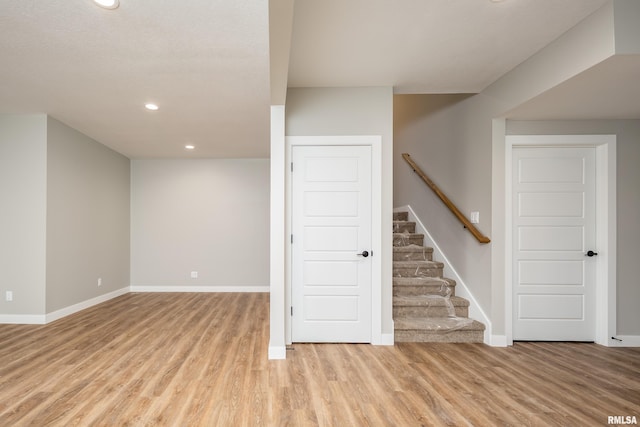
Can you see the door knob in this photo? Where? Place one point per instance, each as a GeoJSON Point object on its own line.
{"type": "Point", "coordinates": [364, 254]}
{"type": "Point", "coordinates": [591, 253]}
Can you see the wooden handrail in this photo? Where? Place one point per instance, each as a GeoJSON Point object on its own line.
{"type": "Point", "coordinates": [467, 224]}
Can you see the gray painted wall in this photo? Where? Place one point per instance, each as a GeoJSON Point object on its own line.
{"type": "Point", "coordinates": [628, 198]}
{"type": "Point", "coordinates": [460, 142]}
{"type": "Point", "coordinates": [88, 195]}
{"type": "Point", "coordinates": [209, 216]}
{"type": "Point", "coordinates": [64, 220]}
{"type": "Point", "coordinates": [353, 111]}
{"type": "Point", "coordinates": [627, 31]}
{"type": "Point", "coordinates": [23, 186]}
{"type": "Point", "coordinates": [449, 137]}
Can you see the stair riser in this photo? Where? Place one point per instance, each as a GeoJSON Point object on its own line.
{"type": "Point", "coordinates": [413, 290]}
{"type": "Point", "coordinates": [428, 312]}
{"type": "Point", "coordinates": [409, 239]}
{"type": "Point", "coordinates": [449, 337]}
{"type": "Point", "coordinates": [404, 227]}
{"type": "Point", "coordinates": [417, 272]}
{"type": "Point", "coordinates": [413, 256]}
{"type": "Point", "coordinates": [400, 216]}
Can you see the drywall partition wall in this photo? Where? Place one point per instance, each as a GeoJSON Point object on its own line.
{"type": "Point", "coordinates": [586, 45]}
{"type": "Point", "coordinates": [23, 186]}
{"type": "Point", "coordinates": [87, 218]}
{"type": "Point", "coordinates": [277, 237]}
{"type": "Point", "coordinates": [449, 137]}
{"type": "Point", "coordinates": [206, 216]}
{"type": "Point", "coordinates": [628, 202]}
{"type": "Point", "coordinates": [476, 125]}
{"type": "Point", "coordinates": [583, 46]}
{"type": "Point", "coordinates": [353, 111]}
{"type": "Point", "coordinates": [280, 28]}
{"type": "Point", "coordinates": [627, 30]}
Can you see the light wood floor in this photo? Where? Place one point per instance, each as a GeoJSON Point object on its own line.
{"type": "Point", "coordinates": [201, 359]}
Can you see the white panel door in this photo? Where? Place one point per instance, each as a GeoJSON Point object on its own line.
{"type": "Point", "coordinates": [553, 229]}
{"type": "Point", "coordinates": [331, 226]}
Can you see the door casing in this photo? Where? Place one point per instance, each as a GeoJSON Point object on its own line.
{"type": "Point", "coordinates": [605, 146]}
{"type": "Point", "coordinates": [375, 141]}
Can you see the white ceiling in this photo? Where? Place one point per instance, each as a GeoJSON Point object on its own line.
{"type": "Point", "coordinates": [206, 62]}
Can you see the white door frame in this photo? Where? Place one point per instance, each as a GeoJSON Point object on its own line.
{"type": "Point", "coordinates": [605, 146]}
{"type": "Point", "coordinates": [375, 142]}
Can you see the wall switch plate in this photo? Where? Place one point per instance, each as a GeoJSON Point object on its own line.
{"type": "Point", "coordinates": [99, 281]}
{"type": "Point", "coordinates": [8, 296]}
{"type": "Point", "coordinates": [475, 217]}
{"type": "Point", "coordinates": [194, 274]}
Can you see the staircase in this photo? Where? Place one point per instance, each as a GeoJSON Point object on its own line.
{"type": "Point", "coordinates": [425, 308]}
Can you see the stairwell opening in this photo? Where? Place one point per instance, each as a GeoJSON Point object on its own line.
{"type": "Point", "coordinates": [425, 306]}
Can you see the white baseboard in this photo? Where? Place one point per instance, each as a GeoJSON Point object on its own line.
{"type": "Point", "coordinates": [498, 341]}
{"type": "Point", "coordinates": [625, 341]}
{"type": "Point", "coordinates": [37, 319]}
{"type": "Point", "coordinates": [385, 339]}
{"type": "Point", "coordinates": [277, 352]}
{"type": "Point", "coordinates": [59, 314]}
{"type": "Point", "coordinates": [475, 311]}
{"type": "Point", "coordinates": [23, 319]}
{"type": "Point", "coordinates": [200, 288]}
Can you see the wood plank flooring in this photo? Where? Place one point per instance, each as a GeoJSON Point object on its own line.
{"type": "Point", "coordinates": [201, 359]}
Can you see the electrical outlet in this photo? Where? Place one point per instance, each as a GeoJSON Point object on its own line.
{"type": "Point", "coordinates": [475, 217]}
{"type": "Point", "coordinates": [8, 296]}
{"type": "Point", "coordinates": [99, 281]}
{"type": "Point", "coordinates": [194, 274]}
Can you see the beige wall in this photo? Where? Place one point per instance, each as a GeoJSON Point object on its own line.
{"type": "Point", "coordinates": [87, 218]}
{"type": "Point", "coordinates": [353, 111]}
{"type": "Point", "coordinates": [628, 202]}
{"type": "Point", "coordinates": [206, 215]}
{"type": "Point", "coordinates": [23, 186]}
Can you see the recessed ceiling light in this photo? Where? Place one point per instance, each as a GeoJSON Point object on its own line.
{"type": "Point", "coordinates": [107, 4]}
{"type": "Point", "coordinates": [152, 107]}
{"type": "Point", "coordinates": [189, 147]}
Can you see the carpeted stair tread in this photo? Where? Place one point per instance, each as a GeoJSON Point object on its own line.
{"type": "Point", "coordinates": [438, 324]}
{"type": "Point", "coordinates": [405, 239]}
{"type": "Point", "coordinates": [428, 301]}
{"type": "Point", "coordinates": [450, 337]}
{"type": "Point", "coordinates": [408, 235]}
{"type": "Point", "coordinates": [413, 248]}
{"type": "Point", "coordinates": [400, 216]}
{"type": "Point", "coordinates": [404, 227]}
{"type": "Point", "coordinates": [422, 285]}
{"type": "Point", "coordinates": [416, 286]}
{"type": "Point", "coordinates": [412, 253]}
{"type": "Point", "coordinates": [418, 264]}
{"type": "Point", "coordinates": [417, 281]}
